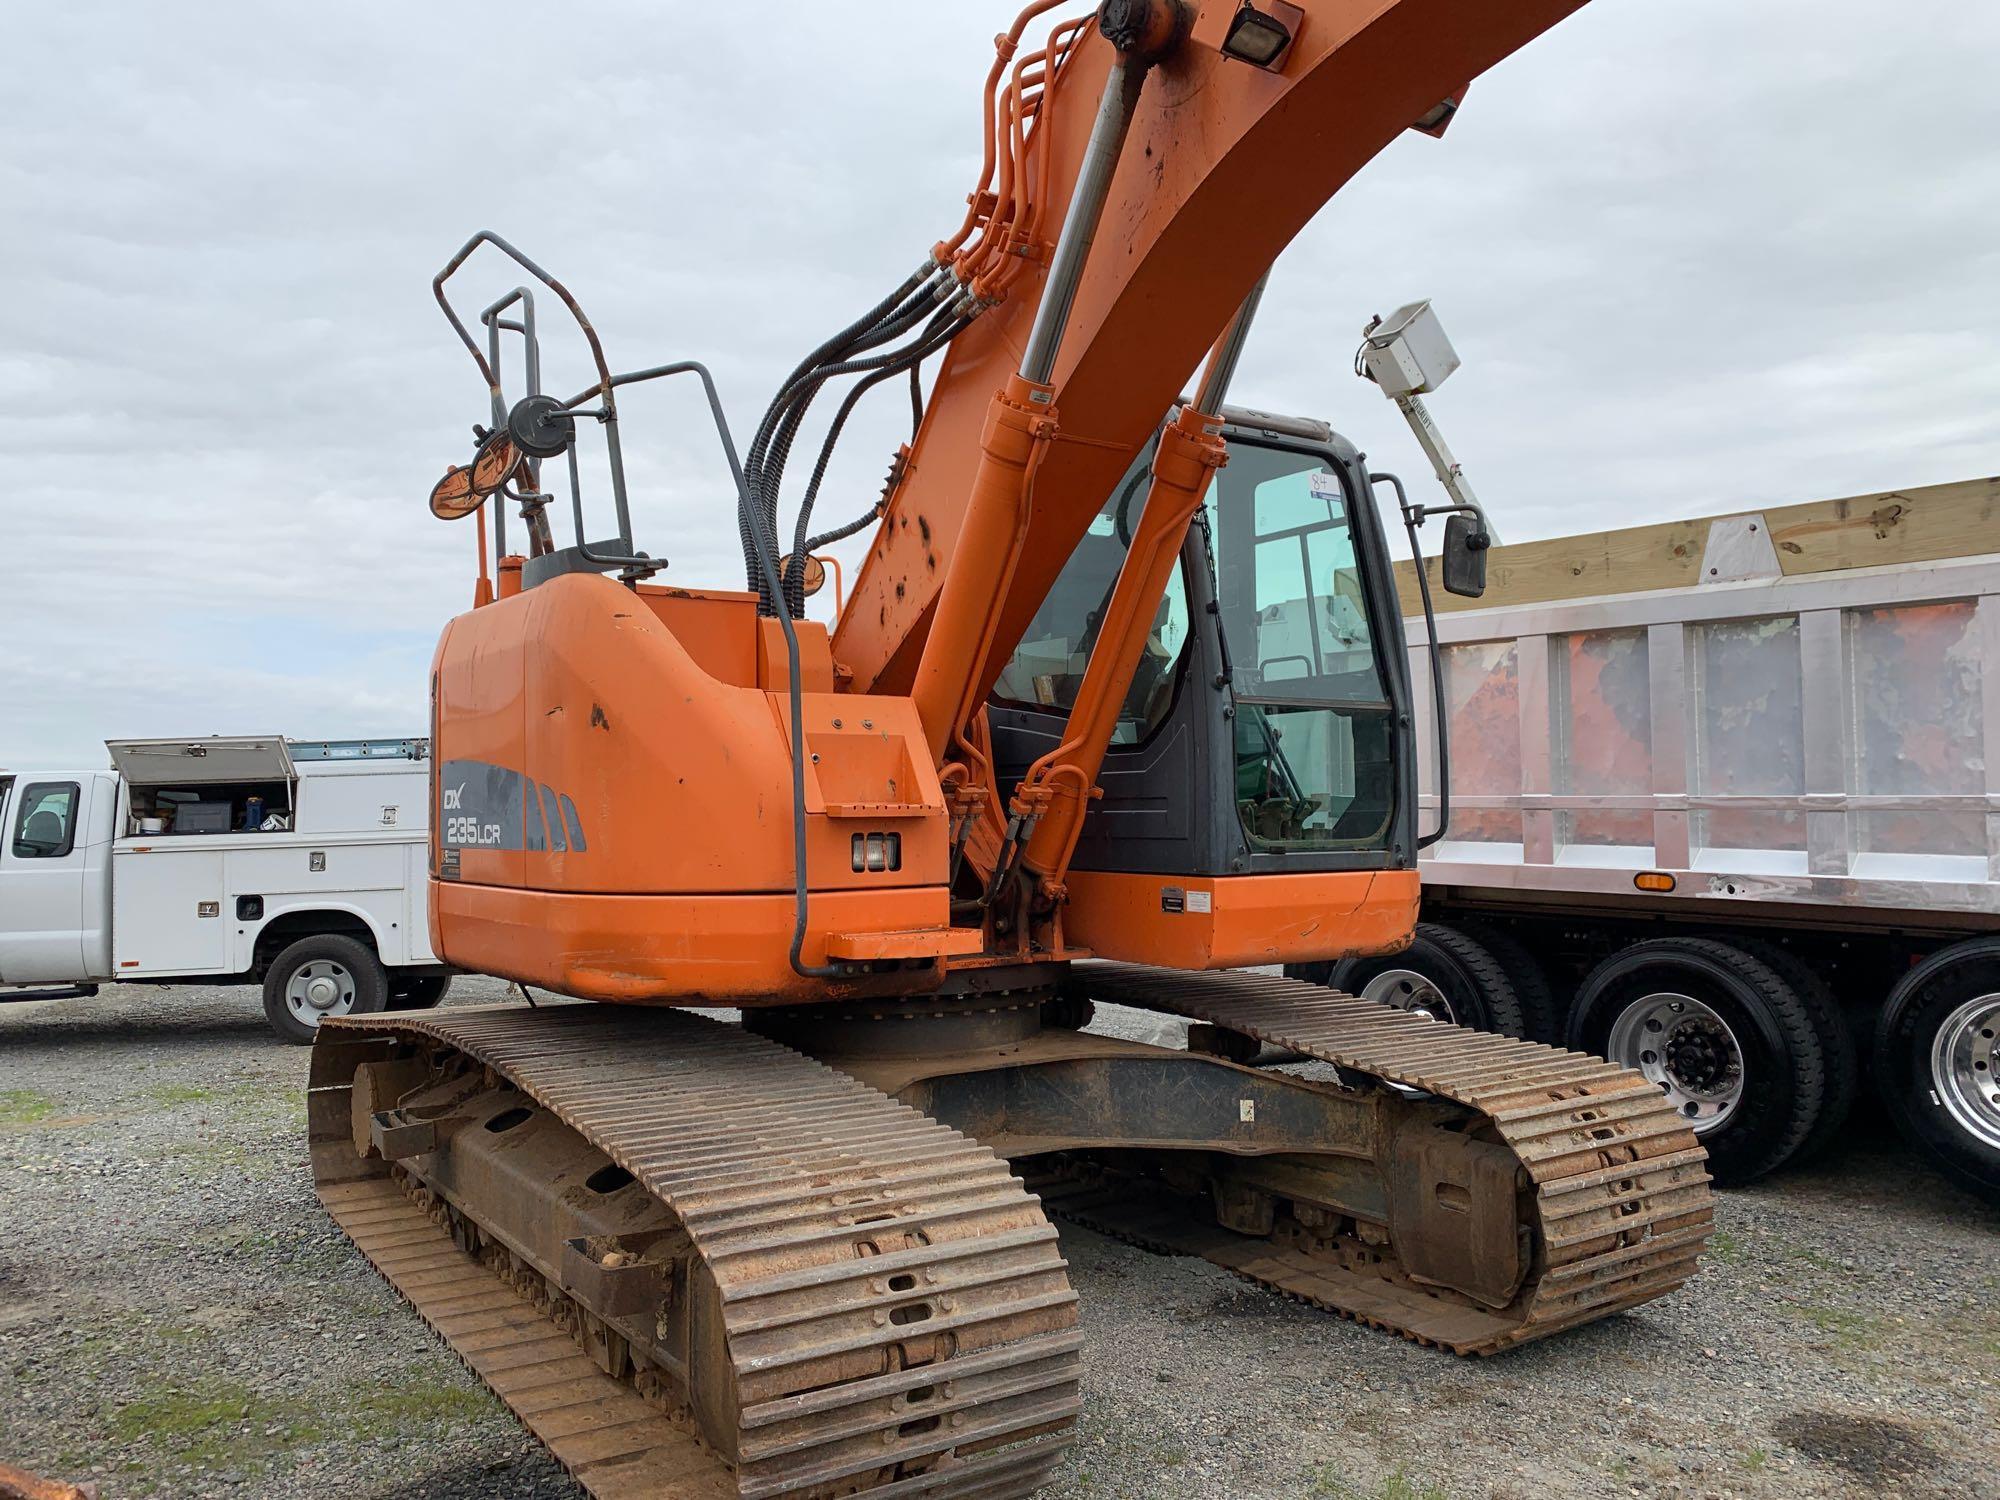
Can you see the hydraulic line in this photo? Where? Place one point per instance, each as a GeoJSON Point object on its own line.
{"type": "Point", "coordinates": [1005, 46]}
{"type": "Point", "coordinates": [942, 329]}
{"type": "Point", "coordinates": [769, 461]}
{"type": "Point", "coordinates": [841, 340]}
{"type": "Point", "coordinates": [837, 357]}
{"type": "Point", "coordinates": [1018, 433]}
{"type": "Point", "coordinates": [884, 366]}
{"type": "Point", "coordinates": [841, 533]}
{"type": "Point", "coordinates": [952, 286]}
{"type": "Point", "coordinates": [832, 358]}
{"type": "Point", "coordinates": [862, 333]}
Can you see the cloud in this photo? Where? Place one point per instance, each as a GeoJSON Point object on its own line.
{"type": "Point", "coordinates": [1696, 256]}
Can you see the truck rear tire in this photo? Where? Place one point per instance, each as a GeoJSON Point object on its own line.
{"type": "Point", "coordinates": [1723, 1035]}
{"type": "Point", "coordinates": [319, 976]}
{"type": "Point", "coordinates": [1843, 1057]}
{"type": "Point", "coordinates": [1937, 1049]}
{"type": "Point", "coordinates": [1541, 1013]}
{"type": "Point", "coordinates": [1443, 974]}
{"type": "Point", "coordinates": [421, 993]}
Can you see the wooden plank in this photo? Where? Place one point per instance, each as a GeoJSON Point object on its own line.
{"type": "Point", "coordinates": [1639, 558]}
{"type": "Point", "coordinates": [1928, 523]}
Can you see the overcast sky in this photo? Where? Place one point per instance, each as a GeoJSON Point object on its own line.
{"type": "Point", "coordinates": [1698, 255]}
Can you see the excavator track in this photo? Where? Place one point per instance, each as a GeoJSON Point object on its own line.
{"type": "Point", "coordinates": [877, 1305]}
{"type": "Point", "coordinates": [1614, 1183]}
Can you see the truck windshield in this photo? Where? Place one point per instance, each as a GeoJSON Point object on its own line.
{"type": "Point", "coordinates": [1312, 725]}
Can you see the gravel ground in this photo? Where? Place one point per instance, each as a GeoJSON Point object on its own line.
{"type": "Point", "coordinates": [178, 1317]}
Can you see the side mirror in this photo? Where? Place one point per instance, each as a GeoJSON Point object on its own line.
{"type": "Point", "coordinates": [1463, 563]}
{"type": "Point", "coordinates": [466, 487]}
{"type": "Point", "coordinates": [452, 498]}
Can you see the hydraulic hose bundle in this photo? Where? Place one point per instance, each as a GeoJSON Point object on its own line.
{"type": "Point", "coordinates": [998, 241]}
{"type": "Point", "coordinates": [914, 321]}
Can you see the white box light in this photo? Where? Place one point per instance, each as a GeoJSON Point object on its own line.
{"type": "Point", "coordinates": [1408, 354]}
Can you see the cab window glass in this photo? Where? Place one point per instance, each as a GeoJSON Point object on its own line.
{"type": "Point", "coordinates": [45, 826]}
{"type": "Point", "coordinates": [1047, 668]}
{"type": "Point", "coordinates": [1298, 616]}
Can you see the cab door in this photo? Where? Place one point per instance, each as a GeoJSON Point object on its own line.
{"type": "Point", "coordinates": [1267, 730]}
{"type": "Point", "coordinates": [44, 850]}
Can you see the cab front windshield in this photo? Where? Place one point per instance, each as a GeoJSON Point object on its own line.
{"type": "Point", "coordinates": [1311, 722]}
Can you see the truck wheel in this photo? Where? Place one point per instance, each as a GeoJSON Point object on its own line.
{"type": "Point", "coordinates": [321, 976]}
{"type": "Point", "coordinates": [1541, 1013]}
{"type": "Point", "coordinates": [1843, 1058]}
{"type": "Point", "coordinates": [1937, 1061]}
{"type": "Point", "coordinates": [1727, 1040]}
{"type": "Point", "coordinates": [417, 994]}
{"type": "Point", "coordinates": [1443, 974]}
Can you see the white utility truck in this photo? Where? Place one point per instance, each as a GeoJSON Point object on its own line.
{"type": "Point", "coordinates": [297, 865]}
{"type": "Point", "coordinates": [1724, 806]}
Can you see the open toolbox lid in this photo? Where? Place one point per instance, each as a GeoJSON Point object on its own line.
{"type": "Point", "coordinates": [202, 762]}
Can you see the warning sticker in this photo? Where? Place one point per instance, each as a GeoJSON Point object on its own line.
{"type": "Point", "coordinates": [1199, 900]}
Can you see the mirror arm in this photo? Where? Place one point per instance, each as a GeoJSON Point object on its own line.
{"type": "Point", "coordinates": [1416, 515]}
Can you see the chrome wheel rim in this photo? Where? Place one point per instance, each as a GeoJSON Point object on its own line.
{"type": "Point", "coordinates": [1683, 1046]}
{"type": "Point", "coordinates": [1407, 990]}
{"type": "Point", "coordinates": [319, 989]}
{"type": "Point", "coordinates": [1963, 1066]}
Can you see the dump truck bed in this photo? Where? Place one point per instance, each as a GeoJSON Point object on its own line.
{"type": "Point", "coordinates": [1787, 707]}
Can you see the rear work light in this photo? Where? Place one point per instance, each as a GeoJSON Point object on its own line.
{"type": "Point", "coordinates": [875, 853]}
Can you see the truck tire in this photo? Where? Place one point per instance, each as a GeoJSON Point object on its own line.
{"type": "Point", "coordinates": [319, 976]}
{"type": "Point", "coordinates": [1541, 1012]}
{"type": "Point", "coordinates": [1937, 1048]}
{"type": "Point", "coordinates": [1443, 974]}
{"type": "Point", "coordinates": [1723, 1035]}
{"type": "Point", "coordinates": [420, 993]}
{"type": "Point", "coordinates": [1843, 1057]}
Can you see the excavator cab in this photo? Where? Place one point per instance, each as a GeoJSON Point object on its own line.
{"type": "Point", "coordinates": [1268, 727]}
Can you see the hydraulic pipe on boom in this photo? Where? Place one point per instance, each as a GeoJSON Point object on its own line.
{"type": "Point", "coordinates": [1020, 424]}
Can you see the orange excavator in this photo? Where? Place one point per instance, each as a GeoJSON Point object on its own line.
{"type": "Point", "coordinates": [1118, 704]}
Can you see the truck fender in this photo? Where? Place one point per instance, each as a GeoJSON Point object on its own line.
{"type": "Point", "coordinates": [252, 938]}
